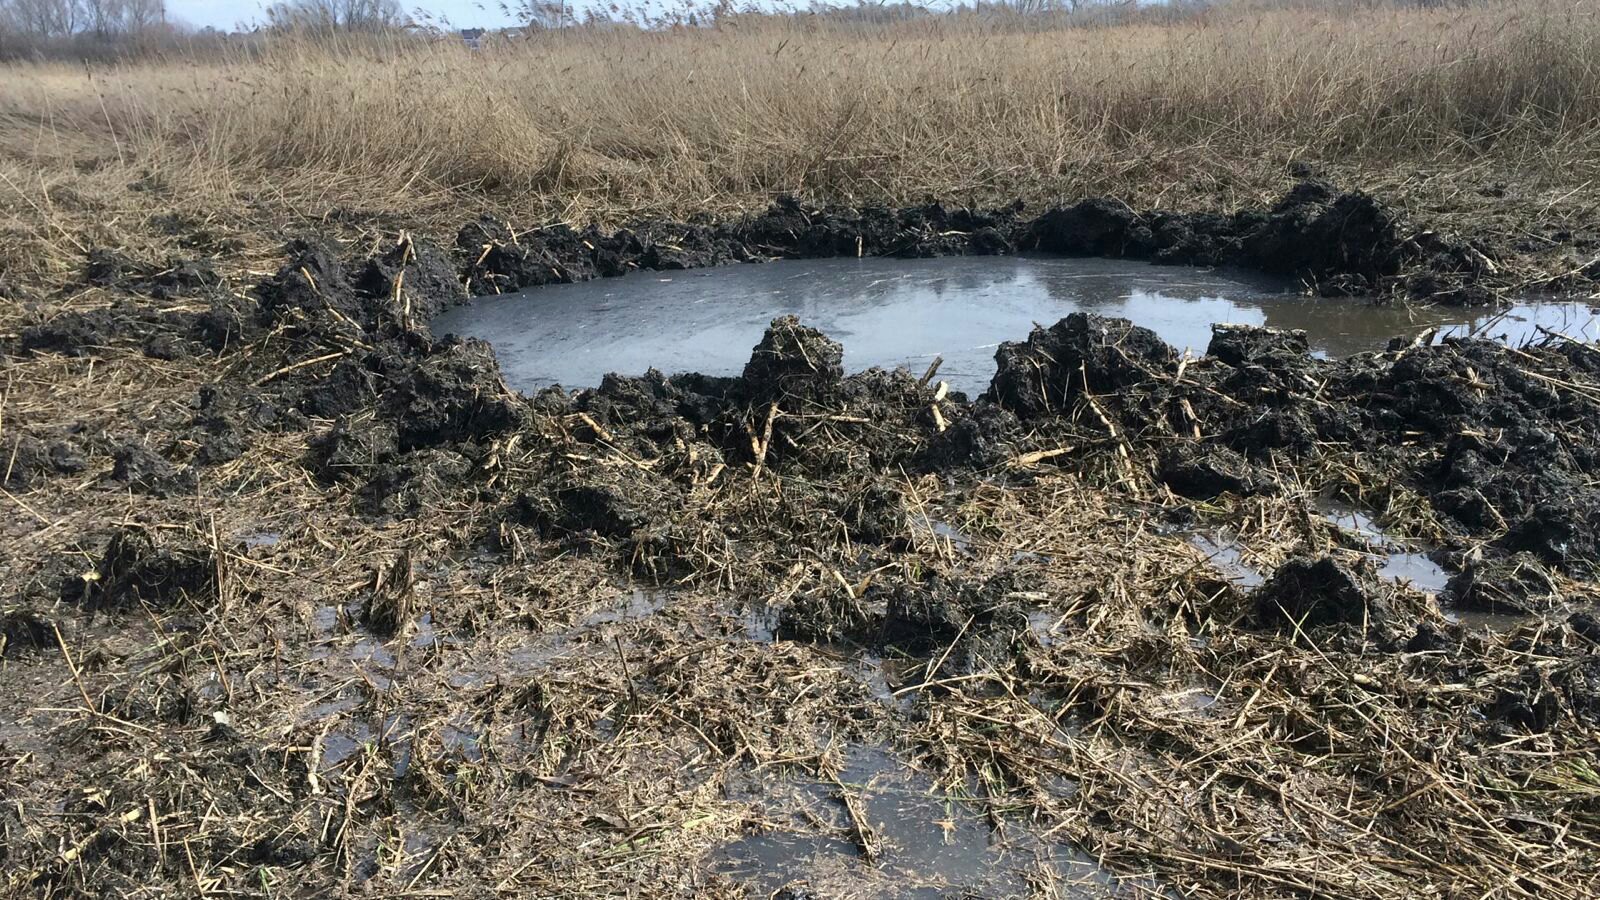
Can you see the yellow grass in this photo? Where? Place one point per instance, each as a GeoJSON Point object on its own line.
{"type": "Point", "coordinates": [610, 125]}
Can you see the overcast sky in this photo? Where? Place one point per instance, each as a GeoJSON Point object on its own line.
{"type": "Point", "coordinates": [227, 14]}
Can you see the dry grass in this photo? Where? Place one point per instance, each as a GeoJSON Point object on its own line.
{"type": "Point", "coordinates": [614, 125]}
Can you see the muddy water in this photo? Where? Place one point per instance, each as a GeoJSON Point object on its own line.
{"type": "Point", "coordinates": [905, 312]}
{"type": "Point", "coordinates": [910, 837]}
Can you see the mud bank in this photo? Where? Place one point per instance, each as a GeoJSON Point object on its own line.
{"type": "Point", "coordinates": [424, 675]}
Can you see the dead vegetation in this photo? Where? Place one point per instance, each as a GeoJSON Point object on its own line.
{"type": "Point", "coordinates": [607, 642]}
{"type": "Point", "coordinates": [302, 600]}
{"type": "Point", "coordinates": [1484, 118]}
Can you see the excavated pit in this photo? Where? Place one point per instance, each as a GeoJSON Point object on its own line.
{"type": "Point", "coordinates": [907, 313]}
{"type": "Point", "coordinates": [345, 610]}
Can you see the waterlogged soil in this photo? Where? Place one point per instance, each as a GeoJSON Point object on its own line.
{"type": "Point", "coordinates": [304, 599]}
{"type": "Point", "coordinates": [867, 825]}
{"type": "Point", "coordinates": [897, 313]}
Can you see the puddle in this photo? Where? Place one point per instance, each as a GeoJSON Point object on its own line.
{"type": "Point", "coordinates": [344, 743]}
{"type": "Point", "coordinates": [325, 619]}
{"type": "Point", "coordinates": [1043, 623]}
{"type": "Point", "coordinates": [1398, 559]}
{"type": "Point", "coordinates": [639, 604]}
{"type": "Point", "coordinates": [1476, 620]}
{"type": "Point", "coordinates": [253, 539]}
{"type": "Point", "coordinates": [946, 533]}
{"type": "Point", "coordinates": [930, 841]}
{"type": "Point", "coordinates": [427, 633]}
{"type": "Point", "coordinates": [1404, 560]}
{"type": "Point", "coordinates": [1415, 569]}
{"type": "Point", "coordinates": [462, 740]}
{"type": "Point", "coordinates": [905, 312]}
{"type": "Point", "coordinates": [760, 621]}
{"type": "Point", "coordinates": [1226, 557]}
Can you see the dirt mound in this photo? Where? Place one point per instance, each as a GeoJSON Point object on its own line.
{"type": "Point", "coordinates": [981, 435]}
{"type": "Point", "coordinates": [312, 282]}
{"type": "Point", "coordinates": [1517, 584]}
{"type": "Point", "coordinates": [1306, 593]}
{"type": "Point", "coordinates": [23, 631]}
{"type": "Point", "coordinates": [1503, 442]}
{"type": "Point", "coordinates": [1204, 471]}
{"type": "Point", "coordinates": [610, 505]}
{"type": "Point", "coordinates": [791, 229]}
{"type": "Point", "coordinates": [394, 291]}
{"type": "Point", "coordinates": [451, 393]}
{"type": "Point", "coordinates": [175, 278]}
{"type": "Point", "coordinates": [1339, 243]}
{"type": "Point", "coordinates": [1515, 436]}
{"type": "Point", "coordinates": [1081, 354]}
{"type": "Point", "coordinates": [1241, 346]}
{"type": "Point", "coordinates": [30, 460]}
{"type": "Point", "coordinates": [147, 472]}
{"type": "Point", "coordinates": [969, 623]}
{"type": "Point", "coordinates": [793, 361]}
{"type": "Point", "coordinates": [430, 393]}
{"type": "Point", "coordinates": [146, 565]}
{"type": "Point", "coordinates": [412, 281]}
{"type": "Point", "coordinates": [353, 450]}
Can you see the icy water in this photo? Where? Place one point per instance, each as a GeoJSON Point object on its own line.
{"type": "Point", "coordinates": [892, 312]}
{"type": "Point", "coordinates": [882, 829]}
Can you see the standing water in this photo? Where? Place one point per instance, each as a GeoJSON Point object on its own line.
{"type": "Point", "coordinates": [892, 312]}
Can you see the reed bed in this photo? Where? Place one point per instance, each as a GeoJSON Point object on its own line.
{"type": "Point", "coordinates": [1442, 107]}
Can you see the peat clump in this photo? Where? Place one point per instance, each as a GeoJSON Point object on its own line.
{"type": "Point", "coordinates": [1306, 593]}
{"type": "Point", "coordinates": [1083, 354]}
{"type": "Point", "coordinates": [147, 472]}
{"type": "Point", "coordinates": [1339, 243]}
{"type": "Point", "coordinates": [1204, 471]}
{"type": "Point", "coordinates": [791, 229]}
{"type": "Point", "coordinates": [311, 286]}
{"type": "Point", "coordinates": [387, 294]}
{"type": "Point", "coordinates": [793, 362]}
{"type": "Point", "coordinates": [23, 631]}
{"type": "Point", "coordinates": [30, 460]}
{"type": "Point", "coordinates": [146, 565]}
{"type": "Point", "coordinates": [606, 504]}
{"type": "Point", "coordinates": [1517, 584]}
{"type": "Point", "coordinates": [431, 393]}
{"type": "Point", "coordinates": [175, 278]}
{"type": "Point", "coordinates": [411, 282]}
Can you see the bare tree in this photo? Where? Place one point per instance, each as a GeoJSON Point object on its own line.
{"type": "Point", "coordinates": [41, 18]}
{"type": "Point", "coordinates": [104, 20]}
{"type": "Point", "coordinates": [337, 15]}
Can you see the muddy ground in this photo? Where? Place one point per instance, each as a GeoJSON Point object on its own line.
{"type": "Point", "coordinates": [300, 599]}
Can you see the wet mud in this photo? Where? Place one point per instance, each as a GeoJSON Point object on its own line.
{"type": "Point", "coordinates": [429, 658]}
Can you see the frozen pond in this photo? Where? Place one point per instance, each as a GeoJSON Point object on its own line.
{"type": "Point", "coordinates": [895, 312]}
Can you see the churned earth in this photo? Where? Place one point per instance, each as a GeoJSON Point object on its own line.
{"type": "Point", "coordinates": [301, 599]}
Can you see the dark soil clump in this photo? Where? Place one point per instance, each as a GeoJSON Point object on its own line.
{"type": "Point", "coordinates": [1339, 243]}
{"type": "Point", "coordinates": [147, 472]}
{"type": "Point", "coordinates": [178, 277]}
{"type": "Point", "coordinates": [1517, 584]}
{"type": "Point", "coordinates": [1205, 471]}
{"type": "Point", "coordinates": [29, 460]}
{"type": "Point", "coordinates": [1081, 354]}
{"type": "Point", "coordinates": [793, 361]}
{"type": "Point", "coordinates": [142, 566]}
{"type": "Point", "coordinates": [24, 630]}
{"type": "Point", "coordinates": [1307, 593]}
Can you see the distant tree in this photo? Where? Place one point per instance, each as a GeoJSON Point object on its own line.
{"type": "Point", "coordinates": [337, 15]}
{"type": "Point", "coordinates": [41, 18]}
{"type": "Point", "coordinates": [105, 20]}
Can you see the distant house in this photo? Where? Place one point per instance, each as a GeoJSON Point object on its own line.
{"type": "Point", "coordinates": [472, 37]}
